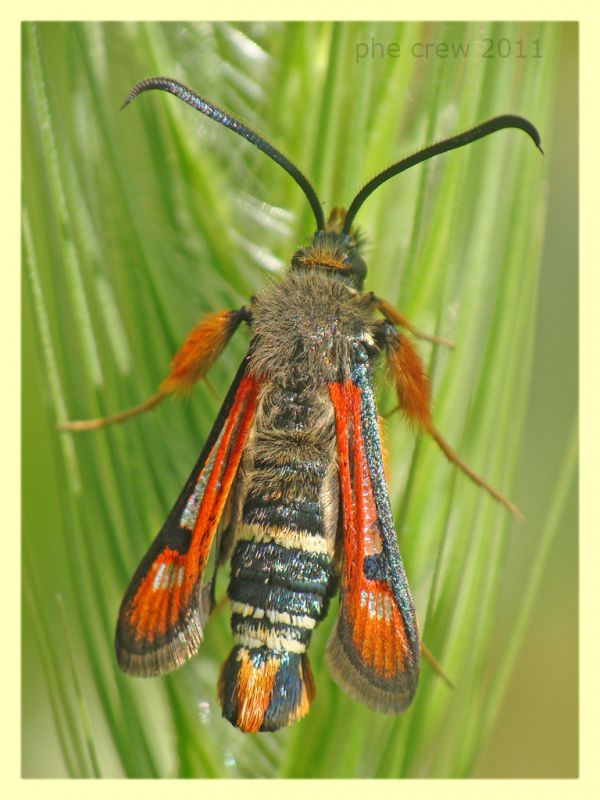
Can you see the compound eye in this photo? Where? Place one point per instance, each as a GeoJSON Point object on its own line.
{"type": "Point", "coordinates": [297, 258]}
{"type": "Point", "coordinates": [357, 265]}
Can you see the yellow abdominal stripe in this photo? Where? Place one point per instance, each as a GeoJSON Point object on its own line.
{"type": "Point", "coordinates": [293, 540]}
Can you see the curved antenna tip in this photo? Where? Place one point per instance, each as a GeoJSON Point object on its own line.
{"type": "Point", "coordinates": [452, 143]}
{"type": "Point", "coordinates": [229, 121]}
{"type": "Point", "coordinates": [137, 89]}
{"type": "Point", "coordinates": [129, 98]}
{"type": "Point", "coordinates": [513, 121]}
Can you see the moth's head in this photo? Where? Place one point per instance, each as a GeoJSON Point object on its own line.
{"type": "Point", "coordinates": [334, 250]}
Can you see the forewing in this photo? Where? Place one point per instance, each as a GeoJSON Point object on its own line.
{"type": "Point", "coordinates": [374, 649]}
{"type": "Point", "coordinates": [164, 609]}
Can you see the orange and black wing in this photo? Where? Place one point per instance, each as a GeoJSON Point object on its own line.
{"type": "Point", "coordinates": [163, 612]}
{"type": "Point", "coordinates": [374, 649]}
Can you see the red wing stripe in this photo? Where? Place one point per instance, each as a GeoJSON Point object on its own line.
{"type": "Point", "coordinates": [339, 398]}
{"type": "Point", "coordinates": [221, 478]}
{"type": "Point", "coordinates": [376, 624]}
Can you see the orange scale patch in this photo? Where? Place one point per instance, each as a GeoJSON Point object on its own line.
{"type": "Point", "coordinates": [156, 604]}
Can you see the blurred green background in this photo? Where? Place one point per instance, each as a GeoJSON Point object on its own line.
{"type": "Point", "coordinates": [135, 224]}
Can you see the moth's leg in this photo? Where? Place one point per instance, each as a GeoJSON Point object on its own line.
{"type": "Point", "coordinates": [396, 318]}
{"type": "Point", "coordinates": [414, 398]}
{"type": "Point", "coordinates": [435, 665]}
{"type": "Point", "coordinates": [203, 345]}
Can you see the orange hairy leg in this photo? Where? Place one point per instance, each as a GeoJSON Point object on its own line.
{"type": "Point", "coordinates": [398, 319]}
{"type": "Point", "coordinates": [203, 345]}
{"type": "Point", "coordinates": [412, 388]}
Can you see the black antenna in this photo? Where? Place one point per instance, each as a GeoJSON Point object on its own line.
{"type": "Point", "coordinates": [197, 102]}
{"type": "Point", "coordinates": [492, 125]}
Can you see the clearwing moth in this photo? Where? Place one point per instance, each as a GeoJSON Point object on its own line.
{"type": "Point", "coordinates": [292, 475]}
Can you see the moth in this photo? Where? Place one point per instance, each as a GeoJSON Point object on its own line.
{"type": "Point", "coordinates": [290, 487]}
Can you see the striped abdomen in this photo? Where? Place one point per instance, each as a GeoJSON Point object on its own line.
{"type": "Point", "coordinates": [281, 567]}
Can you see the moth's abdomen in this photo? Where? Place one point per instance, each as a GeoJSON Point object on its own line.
{"type": "Point", "coordinates": [278, 594]}
{"type": "Point", "coordinates": [281, 570]}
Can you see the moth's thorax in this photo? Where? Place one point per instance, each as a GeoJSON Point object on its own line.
{"type": "Point", "coordinates": [305, 329]}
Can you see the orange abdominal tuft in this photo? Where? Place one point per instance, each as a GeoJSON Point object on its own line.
{"type": "Point", "coordinates": [254, 689]}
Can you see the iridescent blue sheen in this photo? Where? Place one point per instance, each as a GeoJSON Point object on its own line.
{"type": "Point", "coordinates": [361, 376]}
